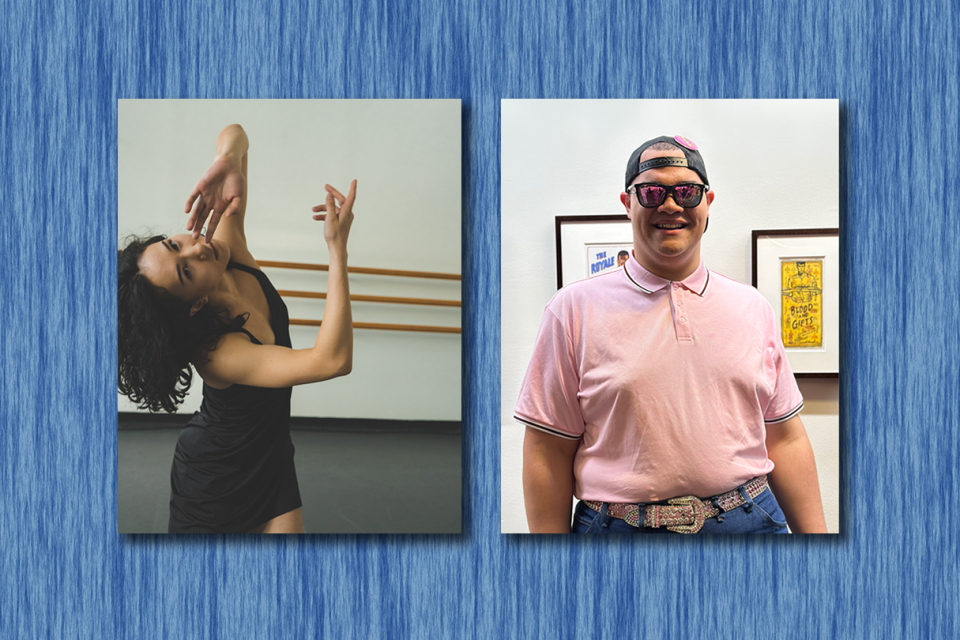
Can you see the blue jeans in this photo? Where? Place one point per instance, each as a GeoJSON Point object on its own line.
{"type": "Point", "coordinates": [759, 515]}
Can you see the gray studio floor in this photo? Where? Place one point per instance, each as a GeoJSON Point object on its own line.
{"type": "Point", "coordinates": [350, 482]}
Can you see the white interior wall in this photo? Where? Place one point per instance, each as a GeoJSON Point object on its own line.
{"type": "Point", "coordinates": [405, 155]}
{"type": "Point", "coordinates": [774, 164]}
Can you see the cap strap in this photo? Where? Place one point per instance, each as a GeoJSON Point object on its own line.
{"type": "Point", "coordinates": [656, 163]}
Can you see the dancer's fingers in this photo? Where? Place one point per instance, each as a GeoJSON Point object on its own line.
{"type": "Point", "coordinates": [340, 197]}
{"type": "Point", "coordinates": [233, 208]}
{"type": "Point", "coordinates": [191, 198]}
{"type": "Point", "coordinates": [200, 212]}
{"type": "Point", "coordinates": [212, 226]}
{"type": "Point", "coordinates": [353, 193]}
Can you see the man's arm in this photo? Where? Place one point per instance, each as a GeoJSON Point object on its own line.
{"type": "Point", "coordinates": [548, 481]}
{"type": "Point", "coordinates": [794, 480]}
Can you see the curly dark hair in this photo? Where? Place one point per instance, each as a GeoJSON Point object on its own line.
{"type": "Point", "coordinates": [158, 338]}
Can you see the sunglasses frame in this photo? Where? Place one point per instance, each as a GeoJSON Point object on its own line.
{"type": "Point", "coordinates": [669, 191]}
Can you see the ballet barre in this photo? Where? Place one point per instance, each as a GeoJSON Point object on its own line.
{"type": "Point", "coordinates": [367, 298]}
{"type": "Point", "coordinates": [383, 326]}
{"type": "Point", "coordinates": [377, 272]}
{"type": "Point", "coordinates": [361, 298]}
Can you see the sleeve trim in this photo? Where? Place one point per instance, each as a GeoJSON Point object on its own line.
{"type": "Point", "coordinates": [785, 417]}
{"type": "Point", "coordinates": [540, 427]}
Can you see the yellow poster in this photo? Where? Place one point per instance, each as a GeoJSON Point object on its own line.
{"type": "Point", "coordinates": [802, 303]}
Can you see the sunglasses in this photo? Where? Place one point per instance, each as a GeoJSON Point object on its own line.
{"type": "Point", "coordinates": [651, 194]}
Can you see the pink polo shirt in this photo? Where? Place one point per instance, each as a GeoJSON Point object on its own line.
{"type": "Point", "coordinates": [669, 384]}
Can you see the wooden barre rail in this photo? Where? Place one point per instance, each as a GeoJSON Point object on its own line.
{"type": "Point", "coordinates": [364, 298]}
{"type": "Point", "coordinates": [389, 327]}
{"type": "Point", "coordinates": [377, 272]}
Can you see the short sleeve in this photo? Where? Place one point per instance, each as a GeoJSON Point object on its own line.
{"type": "Point", "coordinates": [549, 399]}
{"type": "Point", "coordinates": [785, 400]}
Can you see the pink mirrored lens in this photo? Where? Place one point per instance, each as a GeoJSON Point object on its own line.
{"type": "Point", "coordinates": [686, 194]}
{"type": "Point", "coordinates": [651, 196]}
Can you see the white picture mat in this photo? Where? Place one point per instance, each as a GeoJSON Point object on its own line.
{"type": "Point", "coordinates": [770, 251]}
{"type": "Point", "coordinates": [574, 238]}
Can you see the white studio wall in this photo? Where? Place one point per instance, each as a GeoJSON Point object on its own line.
{"type": "Point", "coordinates": [405, 155]}
{"type": "Point", "coordinates": [773, 164]}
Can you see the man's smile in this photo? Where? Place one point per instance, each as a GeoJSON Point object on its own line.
{"type": "Point", "coordinates": [671, 226]}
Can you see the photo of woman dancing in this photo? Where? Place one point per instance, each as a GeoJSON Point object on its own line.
{"type": "Point", "coordinates": [201, 299]}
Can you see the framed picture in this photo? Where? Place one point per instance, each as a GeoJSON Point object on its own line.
{"type": "Point", "coordinates": [798, 272]}
{"type": "Point", "coordinates": [589, 246]}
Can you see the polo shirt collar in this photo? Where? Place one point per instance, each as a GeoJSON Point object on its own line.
{"type": "Point", "coordinates": [647, 282]}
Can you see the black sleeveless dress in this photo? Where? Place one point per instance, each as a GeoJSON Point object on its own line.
{"type": "Point", "coordinates": [233, 467]}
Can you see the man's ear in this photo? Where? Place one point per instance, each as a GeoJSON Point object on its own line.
{"type": "Point", "coordinates": [625, 201]}
{"type": "Point", "coordinates": [198, 305]}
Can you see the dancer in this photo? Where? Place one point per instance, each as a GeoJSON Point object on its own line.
{"type": "Point", "coordinates": [203, 300]}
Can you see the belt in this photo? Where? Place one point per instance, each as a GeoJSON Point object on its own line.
{"type": "Point", "coordinates": [685, 514]}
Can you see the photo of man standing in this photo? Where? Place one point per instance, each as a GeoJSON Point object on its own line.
{"type": "Point", "coordinates": [681, 438]}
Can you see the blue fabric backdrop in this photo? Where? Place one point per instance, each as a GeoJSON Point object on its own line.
{"type": "Point", "coordinates": [893, 572]}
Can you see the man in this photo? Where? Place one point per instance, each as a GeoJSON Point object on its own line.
{"type": "Point", "coordinates": [802, 287]}
{"type": "Point", "coordinates": [660, 394]}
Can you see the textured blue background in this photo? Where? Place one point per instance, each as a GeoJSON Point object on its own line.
{"type": "Point", "coordinates": [893, 573]}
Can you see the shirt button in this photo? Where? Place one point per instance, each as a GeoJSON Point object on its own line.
{"type": "Point", "coordinates": [676, 285]}
{"type": "Point", "coordinates": [683, 319]}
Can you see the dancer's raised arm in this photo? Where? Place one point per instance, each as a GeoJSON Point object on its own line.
{"type": "Point", "coordinates": [220, 194]}
{"type": "Point", "coordinates": [238, 361]}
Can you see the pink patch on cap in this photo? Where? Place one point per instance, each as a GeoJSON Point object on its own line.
{"type": "Point", "coordinates": [687, 142]}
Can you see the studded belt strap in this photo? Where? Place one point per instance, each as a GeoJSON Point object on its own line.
{"type": "Point", "coordinates": [685, 514]}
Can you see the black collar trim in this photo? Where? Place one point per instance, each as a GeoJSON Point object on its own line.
{"type": "Point", "coordinates": [637, 284]}
{"type": "Point", "coordinates": [706, 282]}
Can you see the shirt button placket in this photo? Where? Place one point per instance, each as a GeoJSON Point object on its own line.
{"type": "Point", "coordinates": [684, 332]}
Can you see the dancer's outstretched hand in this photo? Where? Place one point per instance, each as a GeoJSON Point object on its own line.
{"type": "Point", "coordinates": [219, 193]}
{"type": "Point", "coordinates": [338, 216]}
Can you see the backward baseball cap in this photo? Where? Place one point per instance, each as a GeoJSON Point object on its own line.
{"type": "Point", "coordinates": [691, 160]}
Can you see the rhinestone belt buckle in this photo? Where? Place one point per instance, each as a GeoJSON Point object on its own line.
{"type": "Point", "coordinates": [699, 515]}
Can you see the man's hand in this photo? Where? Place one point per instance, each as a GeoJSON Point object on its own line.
{"type": "Point", "coordinates": [219, 193]}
